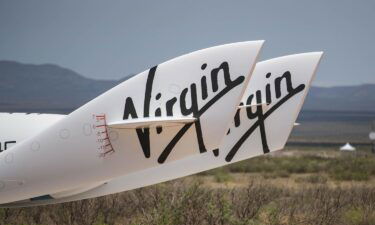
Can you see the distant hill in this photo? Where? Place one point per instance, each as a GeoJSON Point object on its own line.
{"type": "Point", "coordinates": [45, 88]}
{"type": "Point", "coordinates": [344, 98]}
{"type": "Point", "coordinates": [51, 88]}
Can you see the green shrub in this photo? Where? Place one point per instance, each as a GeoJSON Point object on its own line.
{"type": "Point", "coordinates": [352, 168]}
{"type": "Point", "coordinates": [222, 176]}
{"type": "Point", "coordinates": [350, 176]}
{"type": "Point", "coordinates": [358, 216]}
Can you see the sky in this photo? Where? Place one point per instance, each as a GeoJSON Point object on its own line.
{"type": "Point", "coordinates": [112, 39]}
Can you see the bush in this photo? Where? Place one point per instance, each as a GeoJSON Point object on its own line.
{"type": "Point", "coordinates": [265, 164]}
{"type": "Point", "coordinates": [222, 176]}
{"type": "Point", "coordinates": [344, 167]}
{"type": "Point", "coordinates": [358, 216]}
{"type": "Point", "coordinates": [352, 168]}
{"type": "Point", "coordinates": [181, 203]}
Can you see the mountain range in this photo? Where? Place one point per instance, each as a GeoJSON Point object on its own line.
{"type": "Point", "coordinates": [51, 88]}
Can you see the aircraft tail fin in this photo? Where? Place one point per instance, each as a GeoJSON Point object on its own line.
{"type": "Point", "coordinates": [282, 82]}
{"type": "Point", "coordinates": [207, 85]}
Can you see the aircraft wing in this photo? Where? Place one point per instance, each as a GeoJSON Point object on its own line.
{"type": "Point", "coordinates": [151, 122]}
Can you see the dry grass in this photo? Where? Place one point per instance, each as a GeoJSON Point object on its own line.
{"type": "Point", "coordinates": [306, 191]}
{"type": "Point", "coordinates": [181, 203]}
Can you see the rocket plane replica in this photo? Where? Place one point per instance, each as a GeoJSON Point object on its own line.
{"type": "Point", "coordinates": [193, 113]}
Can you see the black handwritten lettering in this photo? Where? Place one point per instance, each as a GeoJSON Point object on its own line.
{"type": "Point", "coordinates": [129, 110]}
{"type": "Point", "coordinates": [230, 84]}
{"type": "Point", "coordinates": [193, 110]}
{"type": "Point", "coordinates": [204, 87]}
{"type": "Point", "coordinates": [262, 116]}
{"type": "Point", "coordinates": [214, 76]}
{"type": "Point", "coordinates": [237, 119]}
{"type": "Point", "coordinates": [198, 130]}
{"type": "Point", "coordinates": [268, 91]}
{"type": "Point", "coordinates": [188, 94]}
{"type": "Point", "coordinates": [6, 143]}
{"type": "Point", "coordinates": [288, 81]}
{"type": "Point", "coordinates": [258, 114]}
{"type": "Point", "coordinates": [169, 106]}
{"type": "Point", "coordinates": [144, 134]}
{"type": "Point", "coordinates": [216, 152]}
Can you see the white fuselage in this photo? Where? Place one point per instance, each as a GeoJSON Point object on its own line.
{"type": "Point", "coordinates": [16, 127]}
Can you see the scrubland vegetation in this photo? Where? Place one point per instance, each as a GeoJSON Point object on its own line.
{"type": "Point", "coordinates": [344, 166]}
{"type": "Point", "coordinates": [299, 186]}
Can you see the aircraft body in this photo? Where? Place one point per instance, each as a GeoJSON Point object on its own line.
{"type": "Point", "coordinates": [193, 113]}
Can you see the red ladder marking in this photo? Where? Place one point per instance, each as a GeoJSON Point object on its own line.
{"type": "Point", "coordinates": [107, 145]}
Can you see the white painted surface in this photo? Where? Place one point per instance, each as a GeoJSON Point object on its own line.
{"type": "Point", "coordinates": [69, 154]}
{"type": "Point", "coordinates": [278, 126]}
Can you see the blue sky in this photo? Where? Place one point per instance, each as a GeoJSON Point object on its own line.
{"type": "Point", "coordinates": [111, 39]}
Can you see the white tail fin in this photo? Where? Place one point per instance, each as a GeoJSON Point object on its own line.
{"type": "Point", "coordinates": [81, 149]}
{"type": "Point", "coordinates": [289, 79]}
{"type": "Point", "coordinates": [283, 83]}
